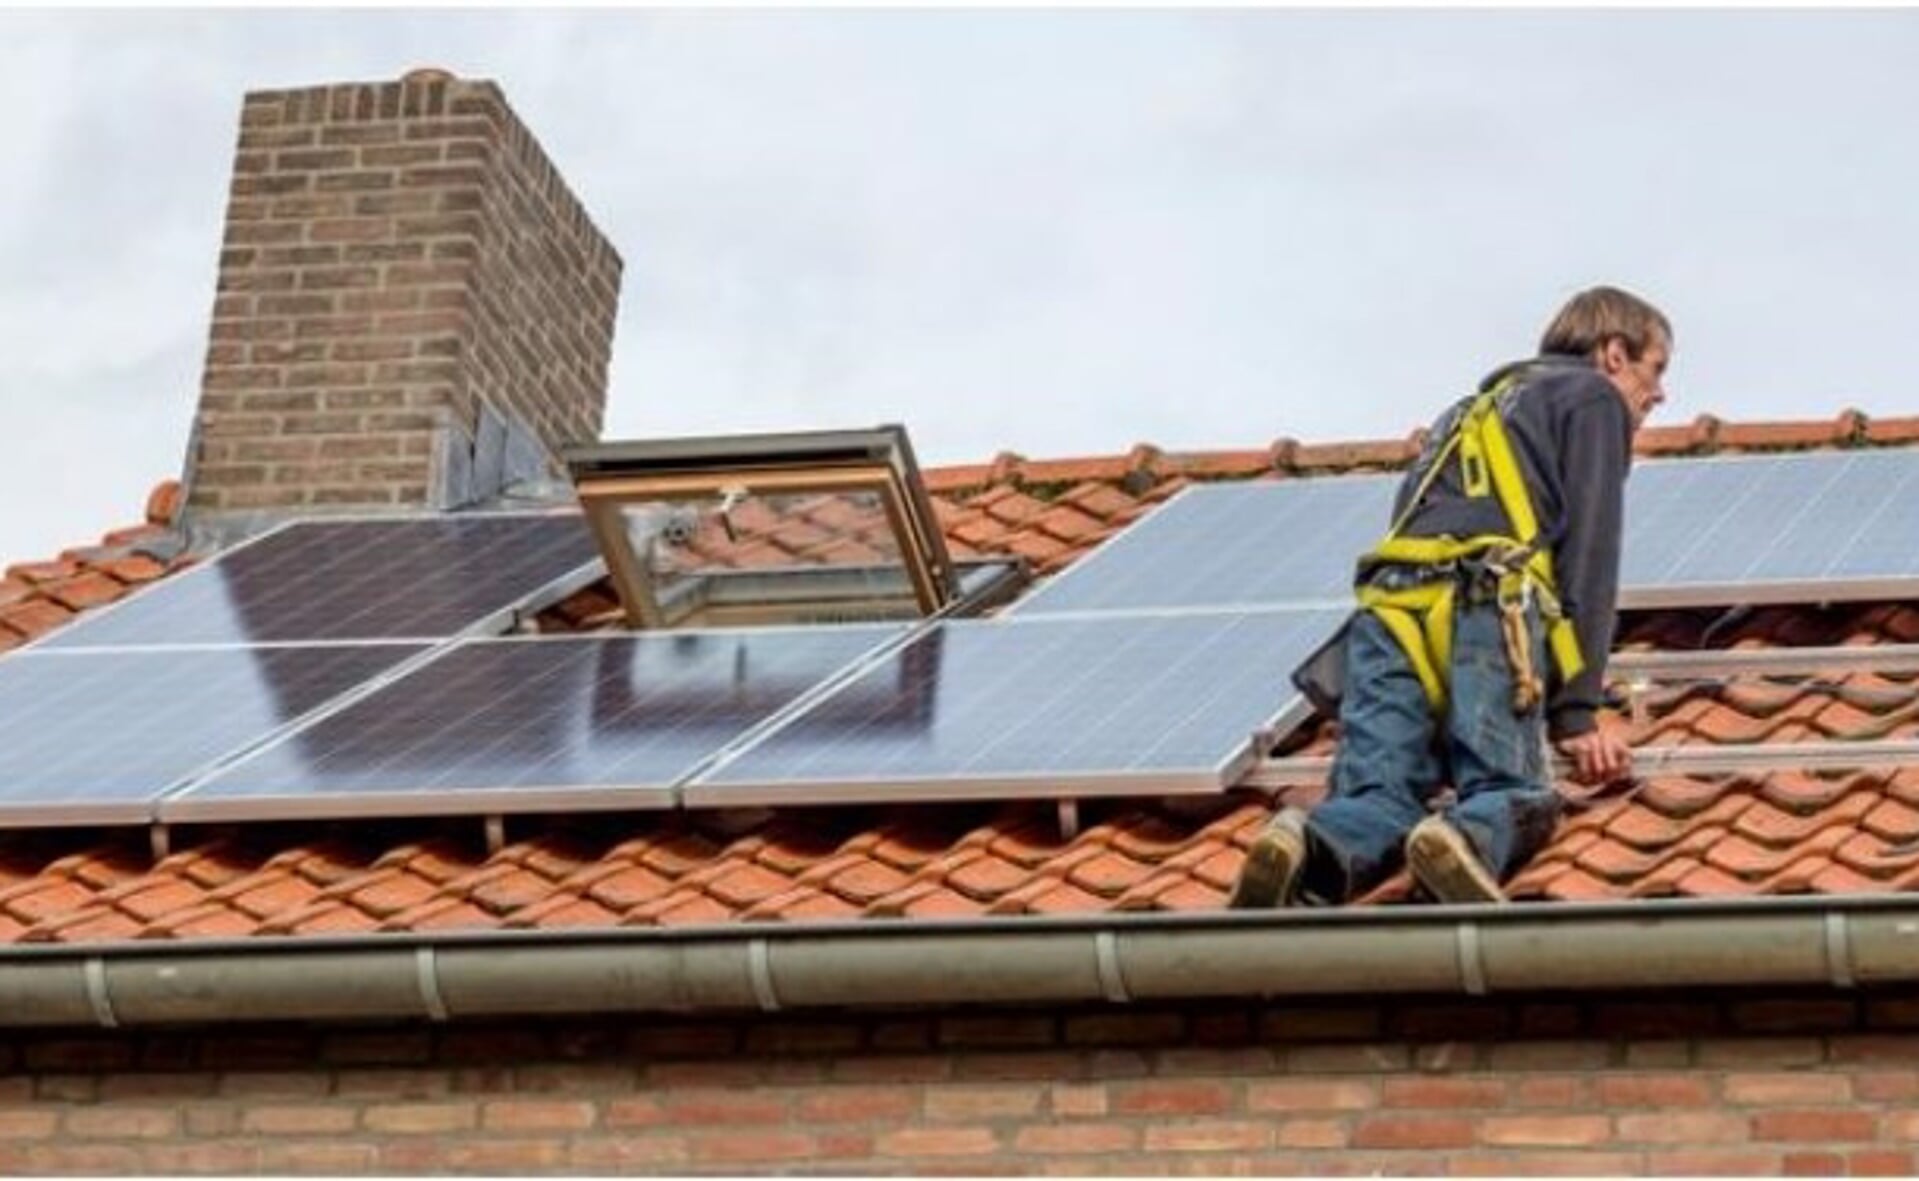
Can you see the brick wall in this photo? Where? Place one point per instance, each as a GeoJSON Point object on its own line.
{"type": "Point", "coordinates": [405, 281]}
{"type": "Point", "coordinates": [1758, 1084]}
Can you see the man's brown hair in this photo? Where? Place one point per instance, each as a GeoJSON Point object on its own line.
{"type": "Point", "coordinates": [1599, 314]}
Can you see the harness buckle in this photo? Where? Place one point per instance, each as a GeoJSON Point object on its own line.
{"type": "Point", "coordinates": [1398, 576]}
{"type": "Point", "coordinates": [1515, 591]}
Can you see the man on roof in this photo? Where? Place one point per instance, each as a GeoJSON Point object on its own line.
{"type": "Point", "coordinates": [1485, 619]}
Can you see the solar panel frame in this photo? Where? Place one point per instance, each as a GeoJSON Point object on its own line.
{"type": "Point", "coordinates": [88, 730]}
{"type": "Point", "coordinates": [105, 628]}
{"type": "Point", "coordinates": [227, 796]}
{"type": "Point", "coordinates": [734, 782]}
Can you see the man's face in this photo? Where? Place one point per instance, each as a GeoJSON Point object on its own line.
{"type": "Point", "coordinates": [1640, 382]}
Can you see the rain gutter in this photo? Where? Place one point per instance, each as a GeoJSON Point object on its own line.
{"type": "Point", "coordinates": [1840, 942]}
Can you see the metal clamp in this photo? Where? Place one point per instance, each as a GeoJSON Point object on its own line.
{"type": "Point", "coordinates": [759, 969]}
{"type": "Point", "coordinates": [94, 970]}
{"type": "Point", "coordinates": [426, 971]}
{"type": "Point", "coordinates": [1839, 949]}
{"type": "Point", "coordinates": [1112, 981]}
{"type": "Point", "coordinates": [1472, 964]}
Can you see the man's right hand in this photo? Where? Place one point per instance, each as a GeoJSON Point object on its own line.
{"type": "Point", "coordinates": [1598, 756]}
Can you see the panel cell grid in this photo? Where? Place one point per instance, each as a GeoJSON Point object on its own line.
{"type": "Point", "coordinates": [1772, 528]}
{"type": "Point", "coordinates": [1038, 707]}
{"type": "Point", "coordinates": [94, 737]}
{"type": "Point", "coordinates": [1836, 525]}
{"type": "Point", "coordinates": [349, 580]}
{"type": "Point", "coordinates": [523, 725]}
{"type": "Point", "coordinates": [1231, 545]}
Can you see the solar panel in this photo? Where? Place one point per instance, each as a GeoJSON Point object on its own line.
{"type": "Point", "coordinates": [603, 721]}
{"type": "Point", "coordinates": [1699, 532]}
{"type": "Point", "coordinates": [357, 579]}
{"type": "Point", "coordinates": [1230, 545]}
{"type": "Point", "coordinates": [1096, 705]}
{"type": "Point", "coordinates": [1769, 529]}
{"type": "Point", "coordinates": [96, 737]}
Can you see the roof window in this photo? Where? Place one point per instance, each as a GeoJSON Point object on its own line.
{"type": "Point", "coordinates": [808, 527]}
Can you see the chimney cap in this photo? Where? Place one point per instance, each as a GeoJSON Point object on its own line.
{"type": "Point", "coordinates": [427, 74]}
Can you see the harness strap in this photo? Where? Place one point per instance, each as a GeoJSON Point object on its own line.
{"type": "Point", "coordinates": [1562, 639]}
{"type": "Point", "coordinates": [1506, 478]}
{"type": "Point", "coordinates": [1451, 444]}
{"type": "Point", "coordinates": [1420, 617]}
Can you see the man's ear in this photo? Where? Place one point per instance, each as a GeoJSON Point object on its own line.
{"type": "Point", "coordinates": [1612, 356]}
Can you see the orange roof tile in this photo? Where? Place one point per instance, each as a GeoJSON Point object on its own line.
{"type": "Point", "coordinates": [36, 597]}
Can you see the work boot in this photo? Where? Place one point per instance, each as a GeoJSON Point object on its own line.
{"type": "Point", "coordinates": [1444, 862]}
{"type": "Point", "coordinates": [1273, 863]}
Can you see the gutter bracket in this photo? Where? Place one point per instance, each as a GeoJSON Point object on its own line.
{"type": "Point", "coordinates": [1472, 965]}
{"type": "Point", "coordinates": [759, 967]}
{"type": "Point", "coordinates": [94, 970]}
{"type": "Point", "coordinates": [495, 833]}
{"type": "Point", "coordinates": [1839, 949]}
{"type": "Point", "coordinates": [160, 840]}
{"type": "Point", "coordinates": [426, 968]}
{"type": "Point", "coordinates": [1112, 981]}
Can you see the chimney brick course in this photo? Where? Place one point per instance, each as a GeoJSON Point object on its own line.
{"type": "Point", "coordinates": [406, 281]}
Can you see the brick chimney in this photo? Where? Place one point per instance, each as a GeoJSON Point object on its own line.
{"type": "Point", "coordinates": [413, 308]}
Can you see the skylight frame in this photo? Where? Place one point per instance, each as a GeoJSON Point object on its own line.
{"type": "Point", "coordinates": [610, 478]}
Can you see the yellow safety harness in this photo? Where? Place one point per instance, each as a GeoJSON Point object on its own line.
{"type": "Point", "coordinates": [1420, 616]}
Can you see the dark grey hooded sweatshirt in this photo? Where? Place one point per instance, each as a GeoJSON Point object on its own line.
{"type": "Point", "coordinates": [1573, 437]}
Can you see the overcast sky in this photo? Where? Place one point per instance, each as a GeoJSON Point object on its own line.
{"type": "Point", "coordinates": [1059, 233]}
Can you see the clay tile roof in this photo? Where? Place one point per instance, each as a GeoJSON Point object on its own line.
{"type": "Point", "coordinates": [1782, 832]}
{"type": "Point", "coordinates": [36, 597]}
